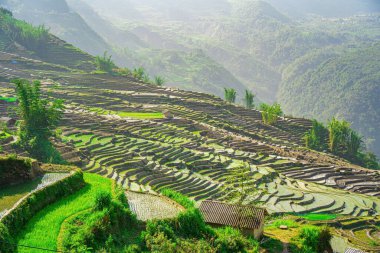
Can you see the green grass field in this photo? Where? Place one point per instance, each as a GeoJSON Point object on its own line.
{"type": "Point", "coordinates": [318, 216]}
{"type": "Point", "coordinates": [10, 195]}
{"type": "Point", "coordinates": [43, 229]}
{"type": "Point", "coordinates": [141, 115]}
{"type": "Point", "coordinates": [8, 99]}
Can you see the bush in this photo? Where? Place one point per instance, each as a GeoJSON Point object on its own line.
{"type": "Point", "coordinates": [102, 201]}
{"type": "Point", "coordinates": [312, 239]}
{"type": "Point", "coordinates": [13, 169]}
{"type": "Point", "coordinates": [231, 240]}
{"type": "Point", "coordinates": [6, 240]}
{"type": "Point", "coordinates": [105, 63]}
{"type": "Point", "coordinates": [316, 137]}
{"type": "Point", "coordinates": [270, 113]}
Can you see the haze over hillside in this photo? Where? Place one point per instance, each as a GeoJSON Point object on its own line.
{"type": "Point", "coordinates": [97, 157]}
{"type": "Point", "coordinates": [269, 47]}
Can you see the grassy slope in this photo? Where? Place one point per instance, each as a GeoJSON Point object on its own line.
{"type": "Point", "coordinates": [42, 231]}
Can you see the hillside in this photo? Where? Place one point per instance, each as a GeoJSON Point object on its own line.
{"type": "Point", "coordinates": [61, 21]}
{"type": "Point", "coordinates": [148, 138]}
{"type": "Point", "coordinates": [346, 84]}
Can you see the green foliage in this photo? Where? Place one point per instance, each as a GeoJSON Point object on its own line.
{"type": "Point", "coordinates": [38, 200]}
{"type": "Point", "coordinates": [312, 239]}
{"type": "Point", "coordinates": [140, 74]}
{"type": "Point", "coordinates": [102, 200]}
{"type": "Point", "coordinates": [13, 169]}
{"type": "Point", "coordinates": [33, 38]}
{"type": "Point", "coordinates": [318, 216]}
{"type": "Point", "coordinates": [39, 117]}
{"type": "Point", "coordinates": [9, 99]}
{"type": "Point", "coordinates": [105, 63]}
{"type": "Point", "coordinates": [249, 99]}
{"type": "Point", "coordinates": [270, 113]}
{"type": "Point", "coordinates": [103, 225]}
{"type": "Point", "coordinates": [179, 198]}
{"type": "Point", "coordinates": [316, 137]}
{"type": "Point", "coordinates": [342, 140]}
{"type": "Point", "coordinates": [6, 240]}
{"type": "Point", "coordinates": [231, 240]}
{"type": "Point", "coordinates": [159, 81]}
{"type": "Point", "coordinates": [230, 95]}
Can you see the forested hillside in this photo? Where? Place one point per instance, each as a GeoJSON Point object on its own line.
{"type": "Point", "coordinates": [346, 84]}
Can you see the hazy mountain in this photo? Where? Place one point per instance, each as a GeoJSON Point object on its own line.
{"type": "Point", "coordinates": [61, 20]}
{"type": "Point", "coordinates": [326, 8]}
{"type": "Point", "coordinates": [269, 47]}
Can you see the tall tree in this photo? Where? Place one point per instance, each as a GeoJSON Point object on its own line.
{"type": "Point", "coordinates": [249, 99]}
{"type": "Point", "coordinates": [39, 117]}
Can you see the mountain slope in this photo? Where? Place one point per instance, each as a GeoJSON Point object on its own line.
{"type": "Point", "coordinates": [61, 20]}
{"type": "Point", "coordinates": [347, 85]}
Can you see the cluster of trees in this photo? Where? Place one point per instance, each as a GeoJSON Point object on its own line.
{"type": "Point", "coordinates": [340, 139]}
{"type": "Point", "coordinates": [31, 37]}
{"type": "Point", "coordinates": [39, 117]}
{"type": "Point", "coordinates": [105, 64]}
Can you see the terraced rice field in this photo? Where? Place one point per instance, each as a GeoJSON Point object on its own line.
{"type": "Point", "coordinates": [149, 207]}
{"type": "Point", "coordinates": [113, 126]}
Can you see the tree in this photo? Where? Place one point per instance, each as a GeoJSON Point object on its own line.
{"type": "Point", "coordinates": [159, 81]}
{"type": "Point", "coordinates": [39, 117]}
{"type": "Point", "coordinates": [249, 99]}
{"type": "Point", "coordinates": [316, 137]}
{"type": "Point", "coordinates": [270, 113]}
{"type": "Point", "coordinates": [105, 63]}
{"type": "Point", "coordinates": [230, 95]}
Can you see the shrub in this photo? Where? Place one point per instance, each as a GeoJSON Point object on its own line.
{"type": "Point", "coordinates": [316, 137]}
{"type": "Point", "coordinates": [231, 240]}
{"type": "Point", "coordinates": [249, 99]}
{"type": "Point", "coordinates": [102, 200]}
{"type": "Point", "coordinates": [159, 81]}
{"type": "Point", "coordinates": [230, 95]}
{"type": "Point", "coordinates": [312, 239]}
{"type": "Point", "coordinates": [6, 240]}
{"type": "Point", "coordinates": [105, 63]}
{"type": "Point", "coordinates": [270, 113]}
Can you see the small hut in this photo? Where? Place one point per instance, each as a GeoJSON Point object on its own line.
{"type": "Point", "coordinates": [249, 219]}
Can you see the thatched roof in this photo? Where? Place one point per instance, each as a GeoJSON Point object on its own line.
{"type": "Point", "coordinates": [219, 213]}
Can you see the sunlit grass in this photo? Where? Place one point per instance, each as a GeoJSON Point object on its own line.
{"type": "Point", "coordinates": [141, 115]}
{"type": "Point", "coordinates": [318, 216]}
{"type": "Point", "coordinates": [43, 229]}
{"type": "Point", "coordinates": [8, 99]}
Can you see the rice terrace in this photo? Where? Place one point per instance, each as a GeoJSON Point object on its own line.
{"type": "Point", "coordinates": [99, 158]}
